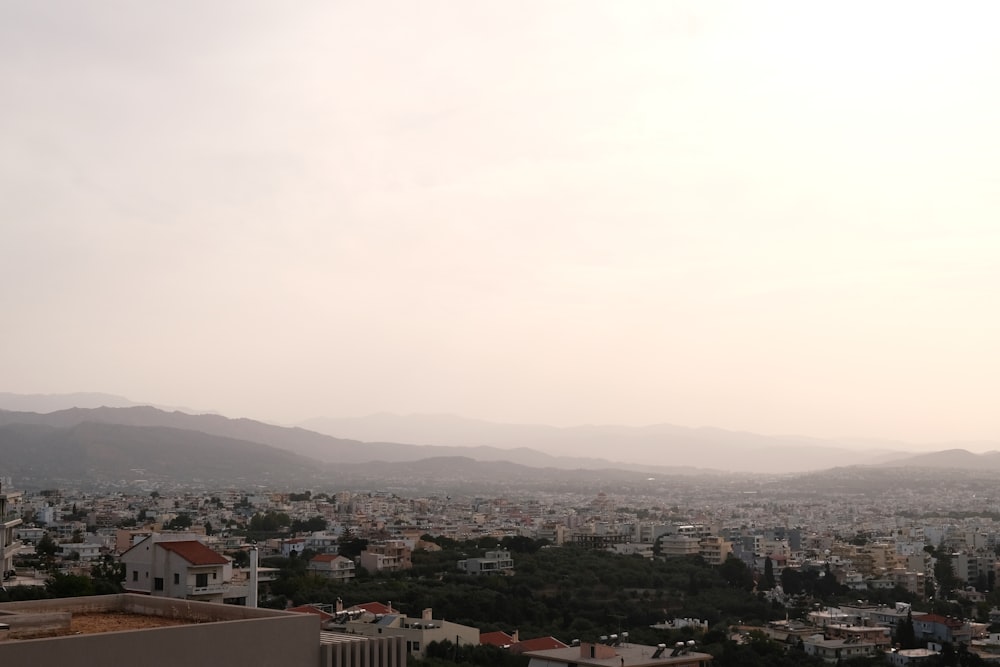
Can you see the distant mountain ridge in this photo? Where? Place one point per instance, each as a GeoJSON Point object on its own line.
{"type": "Point", "coordinates": [298, 440]}
{"type": "Point", "coordinates": [654, 445]}
{"type": "Point", "coordinates": [657, 450]}
{"type": "Point", "coordinates": [39, 455]}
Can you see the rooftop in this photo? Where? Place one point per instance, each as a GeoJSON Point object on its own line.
{"type": "Point", "coordinates": [194, 552]}
{"type": "Point", "coordinates": [623, 655]}
{"type": "Point", "coordinates": [89, 623]}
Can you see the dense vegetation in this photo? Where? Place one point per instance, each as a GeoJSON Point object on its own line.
{"type": "Point", "coordinates": [569, 593]}
{"type": "Point", "coordinates": [565, 592]}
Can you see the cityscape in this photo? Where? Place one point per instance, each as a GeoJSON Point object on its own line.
{"type": "Point", "coordinates": [860, 564]}
{"type": "Point", "coordinates": [534, 333]}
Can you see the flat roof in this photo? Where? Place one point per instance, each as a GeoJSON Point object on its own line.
{"type": "Point", "coordinates": [629, 655]}
{"type": "Point", "coordinates": [89, 623]}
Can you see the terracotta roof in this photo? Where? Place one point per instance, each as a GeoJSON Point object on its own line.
{"type": "Point", "coordinates": [539, 644]}
{"type": "Point", "coordinates": [194, 552]}
{"type": "Point", "coordinates": [309, 609]}
{"type": "Point", "coordinates": [940, 620]}
{"type": "Point", "coordinates": [324, 558]}
{"type": "Point", "coordinates": [497, 638]}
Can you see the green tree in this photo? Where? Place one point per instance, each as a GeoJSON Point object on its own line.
{"type": "Point", "coordinates": [313, 525]}
{"type": "Point", "coordinates": [180, 522]}
{"type": "Point", "coordinates": [944, 574]}
{"type": "Point", "coordinates": [906, 636]}
{"type": "Point", "coordinates": [107, 574]}
{"type": "Point", "coordinates": [47, 549]}
{"type": "Point", "coordinates": [767, 581]}
{"type": "Point", "coordinates": [736, 573]}
{"type": "Point", "coordinates": [61, 585]}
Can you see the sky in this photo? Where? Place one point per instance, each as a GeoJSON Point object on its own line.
{"type": "Point", "coordinates": [778, 217]}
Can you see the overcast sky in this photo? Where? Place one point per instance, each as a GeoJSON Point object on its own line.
{"type": "Point", "coordinates": [779, 217]}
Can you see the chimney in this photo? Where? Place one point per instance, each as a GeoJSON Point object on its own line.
{"type": "Point", "coordinates": [340, 605]}
{"type": "Point", "coordinates": [427, 614]}
{"type": "Point", "coordinates": [514, 636]}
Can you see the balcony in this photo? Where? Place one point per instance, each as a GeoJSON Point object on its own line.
{"type": "Point", "coordinates": [210, 589]}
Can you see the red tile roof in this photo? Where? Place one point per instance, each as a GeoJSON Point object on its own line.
{"type": "Point", "coordinates": [497, 638]}
{"type": "Point", "coordinates": [324, 558]}
{"type": "Point", "coordinates": [194, 552]}
{"type": "Point", "coordinates": [309, 609]}
{"type": "Point", "coordinates": [539, 644]}
{"type": "Point", "coordinates": [940, 620]}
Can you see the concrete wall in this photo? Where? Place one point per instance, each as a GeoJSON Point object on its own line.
{"type": "Point", "coordinates": [218, 635]}
{"type": "Point", "coordinates": [373, 652]}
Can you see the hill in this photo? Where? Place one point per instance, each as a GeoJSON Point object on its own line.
{"type": "Point", "coordinates": [89, 453]}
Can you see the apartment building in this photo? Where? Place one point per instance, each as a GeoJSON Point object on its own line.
{"type": "Point", "coordinates": [388, 556]}
{"type": "Point", "coordinates": [714, 549]}
{"type": "Point", "coordinates": [493, 562]}
{"type": "Point", "coordinates": [331, 566]}
{"type": "Point", "coordinates": [8, 523]}
{"type": "Point", "coordinates": [377, 620]}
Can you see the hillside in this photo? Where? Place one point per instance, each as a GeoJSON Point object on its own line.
{"type": "Point", "coordinates": [303, 442]}
{"type": "Point", "coordinates": [41, 455]}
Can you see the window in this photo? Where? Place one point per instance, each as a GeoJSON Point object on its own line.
{"type": "Point", "coordinates": [158, 584]}
{"type": "Point", "coordinates": [201, 580]}
{"type": "Point", "coordinates": [177, 578]}
{"type": "Point", "coordinates": [135, 575]}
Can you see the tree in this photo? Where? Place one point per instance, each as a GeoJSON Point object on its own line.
{"type": "Point", "coordinates": [906, 636]}
{"type": "Point", "coordinates": [61, 585]}
{"type": "Point", "coordinates": [736, 573]}
{"type": "Point", "coordinates": [108, 575]}
{"type": "Point", "coordinates": [47, 548]}
{"type": "Point", "coordinates": [767, 582]}
{"type": "Point", "coordinates": [791, 581]}
{"type": "Point", "coordinates": [313, 525]}
{"type": "Point", "coordinates": [944, 574]}
{"type": "Point", "coordinates": [350, 546]}
{"type": "Point", "coordinates": [269, 522]}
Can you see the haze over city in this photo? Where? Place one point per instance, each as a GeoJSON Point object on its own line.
{"type": "Point", "coordinates": [772, 217]}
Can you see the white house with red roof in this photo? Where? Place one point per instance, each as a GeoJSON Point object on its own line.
{"type": "Point", "coordinates": [332, 566]}
{"type": "Point", "coordinates": [170, 566]}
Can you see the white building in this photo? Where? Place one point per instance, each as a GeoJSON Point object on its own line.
{"type": "Point", "coordinates": [333, 567]}
{"type": "Point", "coordinates": [8, 544]}
{"type": "Point", "coordinates": [184, 569]}
{"type": "Point", "coordinates": [85, 551]}
{"type": "Point", "coordinates": [494, 562]}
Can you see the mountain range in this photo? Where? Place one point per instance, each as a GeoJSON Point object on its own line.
{"type": "Point", "coordinates": [135, 443]}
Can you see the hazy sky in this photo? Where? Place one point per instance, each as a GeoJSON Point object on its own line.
{"type": "Point", "coordinates": [777, 217]}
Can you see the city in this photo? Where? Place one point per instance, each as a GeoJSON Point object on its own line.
{"type": "Point", "coordinates": [835, 576]}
